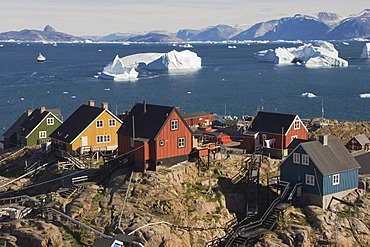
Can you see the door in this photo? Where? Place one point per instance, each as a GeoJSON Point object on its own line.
{"type": "Point", "coordinates": [84, 144]}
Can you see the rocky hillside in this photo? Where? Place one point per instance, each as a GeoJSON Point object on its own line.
{"type": "Point", "coordinates": [186, 206]}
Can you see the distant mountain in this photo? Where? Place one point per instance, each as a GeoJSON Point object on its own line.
{"type": "Point", "coordinates": [302, 27]}
{"type": "Point", "coordinates": [187, 34]}
{"type": "Point", "coordinates": [153, 37]}
{"type": "Point", "coordinates": [355, 26]}
{"type": "Point", "coordinates": [217, 33]}
{"type": "Point", "coordinates": [49, 34]}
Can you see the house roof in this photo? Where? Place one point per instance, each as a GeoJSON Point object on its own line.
{"type": "Point", "coordinates": [33, 120]}
{"type": "Point", "coordinates": [76, 123]}
{"type": "Point", "coordinates": [15, 127]}
{"type": "Point", "coordinates": [271, 122]}
{"type": "Point", "coordinates": [149, 123]}
{"type": "Point", "coordinates": [362, 139]}
{"type": "Point", "coordinates": [186, 115]}
{"type": "Point", "coordinates": [295, 143]}
{"type": "Point", "coordinates": [364, 162]}
{"type": "Point", "coordinates": [207, 133]}
{"type": "Point", "coordinates": [331, 158]}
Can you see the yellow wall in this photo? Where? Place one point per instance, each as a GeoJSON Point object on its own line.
{"type": "Point", "coordinates": [92, 132]}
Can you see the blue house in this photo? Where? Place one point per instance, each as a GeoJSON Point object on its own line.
{"type": "Point", "coordinates": [324, 168]}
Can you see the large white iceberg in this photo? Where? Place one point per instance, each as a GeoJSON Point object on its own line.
{"type": "Point", "coordinates": [126, 67]}
{"type": "Point", "coordinates": [116, 70]}
{"type": "Point", "coordinates": [318, 54]}
{"type": "Point", "coordinates": [366, 51]}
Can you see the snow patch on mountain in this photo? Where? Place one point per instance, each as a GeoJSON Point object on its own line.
{"type": "Point", "coordinates": [366, 51]}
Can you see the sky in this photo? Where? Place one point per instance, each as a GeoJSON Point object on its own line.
{"type": "Point", "coordinates": [102, 17]}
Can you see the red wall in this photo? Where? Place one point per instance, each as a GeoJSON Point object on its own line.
{"type": "Point", "coordinates": [199, 119]}
{"type": "Point", "coordinates": [170, 137]}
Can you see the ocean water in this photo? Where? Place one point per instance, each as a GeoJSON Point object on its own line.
{"type": "Point", "coordinates": [231, 81]}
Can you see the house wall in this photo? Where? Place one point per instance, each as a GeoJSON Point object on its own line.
{"type": "Point", "coordinates": [248, 143]}
{"type": "Point", "coordinates": [33, 138]}
{"type": "Point", "coordinates": [296, 173]}
{"type": "Point", "coordinates": [92, 132]}
{"type": "Point", "coordinates": [347, 180]}
{"type": "Point", "coordinates": [311, 199]}
{"type": "Point", "coordinates": [353, 144]}
{"type": "Point", "coordinates": [170, 138]}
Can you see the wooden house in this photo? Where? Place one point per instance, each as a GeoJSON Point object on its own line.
{"type": "Point", "coordinates": [359, 142]}
{"type": "Point", "coordinates": [155, 135]}
{"type": "Point", "coordinates": [321, 169]}
{"type": "Point", "coordinates": [89, 128]}
{"type": "Point", "coordinates": [36, 128]}
{"type": "Point", "coordinates": [198, 118]}
{"type": "Point", "coordinates": [364, 162]}
{"type": "Point", "coordinates": [274, 131]}
{"type": "Point", "coordinates": [212, 137]}
{"type": "Point", "coordinates": [12, 135]}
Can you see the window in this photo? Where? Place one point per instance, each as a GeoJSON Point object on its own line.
{"type": "Point", "coordinates": [99, 124]}
{"type": "Point", "coordinates": [102, 139]}
{"type": "Point", "coordinates": [335, 179]}
{"type": "Point", "coordinates": [174, 124]}
{"type": "Point", "coordinates": [297, 124]}
{"type": "Point", "coordinates": [50, 121]}
{"type": "Point", "coordinates": [310, 180]}
{"type": "Point", "coordinates": [263, 136]}
{"type": "Point", "coordinates": [112, 122]}
{"type": "Point", "coordinates": [181, 142]}
{"type": "Point", "coordinates": [296, 158]}
{"type": "Point", "coordinates": [161, 143]}
{"type": "Point", "coordinates": [42, 134]}
{"type": "Point", "coordinates": [305, 159]}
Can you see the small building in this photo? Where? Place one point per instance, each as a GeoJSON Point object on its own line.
{"type": "Point", "coordinates": [212, 137]}
{"type": "Point", "coordinates": [89, 128]}
{"type": "Point", "coordinates": [359, 142]}
{"type": "Point", "coordinates": [37, 127]}
{"type": "Point", "coordinates": [321, 169]}
{"type": "Point", "coordinates": [364, 162]}
{"type": "Point", "coordinates": [198, 118]}
{"type": "Point", "coordinates": [274, 131]}
{"type": "Point", "coordinates": [12, 135]}
{"type": "Point", "coordinates": [155, 135]}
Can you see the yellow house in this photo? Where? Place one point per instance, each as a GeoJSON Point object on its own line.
{"type": "Point", "coordinates": [89, 128]}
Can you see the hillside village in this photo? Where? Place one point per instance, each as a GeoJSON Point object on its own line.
{"type": "Point", "coordinates": [158, 176]}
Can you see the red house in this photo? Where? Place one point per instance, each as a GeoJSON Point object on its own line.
{"type": "Point", "coordinates": [274, 131]}
{"type": "Point", "coordinates": [155, 135]}
{"type": "Point", "coordinates": [198, 118]}
{"type": "Point", "coordinates": [359, 142]}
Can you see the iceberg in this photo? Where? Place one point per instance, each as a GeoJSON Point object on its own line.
{"type": "Point", "coordinates": [318, 54]}
{"type": "Point", "coordinates": [116, 70]}
{"type": "Point", "coordinates": [366, 51]}
{"type": "Point", "coordinates": [308, 95]}
{"type": "Point", "coordinates": [127, 67]}
{"type": "Point", "coordinates": [365, 95]}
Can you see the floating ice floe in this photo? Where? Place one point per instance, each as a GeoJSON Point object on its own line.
{"type": "Point", "coordinates": [308, 95]}
{"type": "Point", "coordinates": [126, 68]}
{"type": "Point", "coordinates": [186, 45]}
{"type": "Point", "coordinates": [318, 54]}
{"type": "Point", "coordinates": [366, 51]}
{"type": "Point", "coordinates": [231, 47]}
{"type": "Point", "coordinates": [365, 95]}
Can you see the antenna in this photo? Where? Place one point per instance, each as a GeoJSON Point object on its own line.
{"type": "Point", "coordinates": [133, 127]}
{"type": "Point", "coordinates": [322, 108]}
{"type": "Point", "coordinates": [261, 104]}
{"type": "Point", "coordinates": [225, 109]}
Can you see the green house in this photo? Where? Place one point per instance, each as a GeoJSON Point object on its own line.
{"type": "Point", "coordinates": [38, 126]}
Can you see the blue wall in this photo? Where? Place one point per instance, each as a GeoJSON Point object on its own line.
{"type": "Point", "coordinates": [347, 180]}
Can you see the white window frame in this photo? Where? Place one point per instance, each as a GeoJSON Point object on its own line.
{"type": "Point", "coordinates": [112, 123]}
{"type": "Point", "coordinates": [181, 142]}
{"type": "Point", "coordinates": [264, 136]}
{"type": "Point", "coordinates": [99, 123]}
{"type": "Point", "coordinates": [42, 134]}
{"type": "Point", "coordinates": [296, 158]}
{"type": "Point", "coordinates": [336, 179]}
{"type": "Point", "coordinates": [310, 179]}
{"type": "Point", "coordinates": [50, 121]}
{"type": "Point", "coordinates": [102, 138]}
{"type": "Point", "coordinates": [297, 122]}
{"type": "Point", "coordinates": [305, 159]}
{"type": "Point", "coordinates": [174, 124]}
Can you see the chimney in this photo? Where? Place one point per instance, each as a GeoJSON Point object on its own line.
{"type": "Point", "coordinates": [29, 112]}
{"type": "Point", "coordinates": [144, 106]}
{"type": "Point", "coordinates": [91, 103]}
{"type": "Point", "coordinates": [42, 109]}
{"type": "Point", "coordinates": [323, 139]}
{"type": "Point", "coordinates": [104, 105]}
